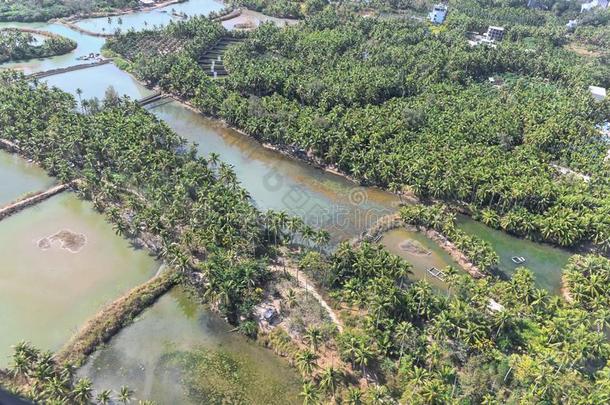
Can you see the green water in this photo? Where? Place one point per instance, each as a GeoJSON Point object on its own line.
{"type": "Point", "coordinates": [436, 257]}
{"type": "Point", "coordinates": [178, 353]}
{"type": "Point", "coordinates": [545, 261]}
{"type": "Point", "coordinates": [18, 177]}
{"type": "Point", "coordinates": [275, 181]}
{"type": "Point", "coordinates": [166, 353]}
{"type": "Point", "coordinates": [47, 294]}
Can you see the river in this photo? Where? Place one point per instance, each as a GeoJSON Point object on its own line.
{"type": "Point", "coordinates": [175, 331]}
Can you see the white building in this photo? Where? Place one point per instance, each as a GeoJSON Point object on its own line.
{"type": "Point", "coordinates": [603, 4]}
{"type": "Point", "coordinates": [438, 14]}
{"type": "Point", "coordinates": [598, 93]}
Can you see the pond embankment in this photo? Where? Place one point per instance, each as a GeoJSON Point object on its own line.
{"type": "Point", "coordinates": [53, 72]}
{"type": "Point", "coordinates": [393, 221]}
{"type": "Point", "coordinates": [115, 316]}
{"type": "Point", "coordinates": [31, 200]}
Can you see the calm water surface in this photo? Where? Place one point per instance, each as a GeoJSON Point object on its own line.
{"type": "Point", "coordinates": [275, 181]}
{"type": "Point", "coordinates": [47, 294]}
{"type": "Point", "coordinates": [86, 45]}
{"type": "Point", "coordinates": [393, 241]}
{"type": "Point", "coordinates": [176, 352]}
{"type": "Point", "coordinates": [94, 82]}
{"type": "Point", "coordinates": [150, 18]}
{"type": "Point", "coordinates": [18, 177]}
{"type": "Point", "coordinates": [544, 260]}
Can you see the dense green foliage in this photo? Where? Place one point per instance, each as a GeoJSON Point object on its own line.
{"type": "Point", "coordinates": [446, 134]}
{"type": "Point", "coordinates": [192, 37]}
{"type": "Point", "coordinates": [19, 45]}
{"type": "Point", "coordinates": [44, 10]}
{"type": "Point", "coordinates": [420, 347]}
{"type": "Point", "coordinates": [147, 180]}
{"type": "Point", "coordinates": [47, 381]}
{"type": "Point", "coordinates": [587, 279]}
{"type": "Point", "coordinates": [439, 218]}
{"type": "Point", "coordinates": [283, 8]}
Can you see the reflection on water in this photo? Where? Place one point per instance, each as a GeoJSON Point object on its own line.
{"type": "Point", "coordinates": [278, 182]}
{"type": "Point", "coordinates": [86, 45]}
{"type": "Point", "coordinates": [545, 261]}
{"type": "Point", "coordinates": [94, 82]}
{"type": "Point", "coordinates": [18, 177]}
{"type": "Point", "coordinates": [422, 252]}
{"type": "Point", "coordinates": [46, 294]}
{"type": "Point", "coordinates": [150, 18]}
{"type": "Point", "coordinates": [178, 353]}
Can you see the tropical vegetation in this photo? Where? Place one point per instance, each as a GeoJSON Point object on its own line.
{"type": "Point", "coordinates": [448, 133]}
{"type": "Point", "coordinates": [18, 45]}
{"type": "Point", "coordinates": [34, 10]}
{"type": "Point", "coordinates": [484, 341]}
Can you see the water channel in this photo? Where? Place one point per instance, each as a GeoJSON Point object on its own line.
{"type": "Point", "coordinates": [151, 353]}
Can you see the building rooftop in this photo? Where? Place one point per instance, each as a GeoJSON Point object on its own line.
{"type": "Point", "coordinates": [598, 93]}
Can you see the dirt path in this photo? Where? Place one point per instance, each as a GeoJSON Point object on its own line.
{"type": "Point", "coordinates": [307, 285]}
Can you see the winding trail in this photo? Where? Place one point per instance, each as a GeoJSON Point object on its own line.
{"type": "Point", "coordinates": [304, 282]}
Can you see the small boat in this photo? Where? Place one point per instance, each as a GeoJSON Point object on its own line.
{"type": "Point", "coordinates": [518, 259]}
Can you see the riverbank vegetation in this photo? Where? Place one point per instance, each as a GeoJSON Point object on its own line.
{"type": "Point", "coordinates": [442, 220]}
{"type": "Point", "coordinates": [33, 10]}
{"type": "Point", "coordinates": [448, 135]}
{"type": "Point", "coordinates": [486, 341]}
{"type": "Point", "coordinates": [16, 45]}
{"type": "Point", "coordinates": [188, 210]}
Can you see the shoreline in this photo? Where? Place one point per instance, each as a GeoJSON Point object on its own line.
{"type": "Point", "coordinates": [115, 13]}
{"type": "Point", "coordinates": [112, 318]}
{"type": "Point", "coordinates": [393, 221]}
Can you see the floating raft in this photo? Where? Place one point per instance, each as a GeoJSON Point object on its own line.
{"type": "Point", "coordinates": [434, 272]}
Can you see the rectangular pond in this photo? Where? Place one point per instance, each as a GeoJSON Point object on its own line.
{"type": "Point", "coordinates": [18, 177]}
{"type": "Point", "coordinates": [61, 262]}
{"type": "Point", "coordinates": [176, 352]}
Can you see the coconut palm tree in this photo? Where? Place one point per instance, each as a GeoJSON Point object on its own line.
{"type": "Point", "coordinates": [125, 395]}
{"type": "Point", "coordinates": [306, 362]}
